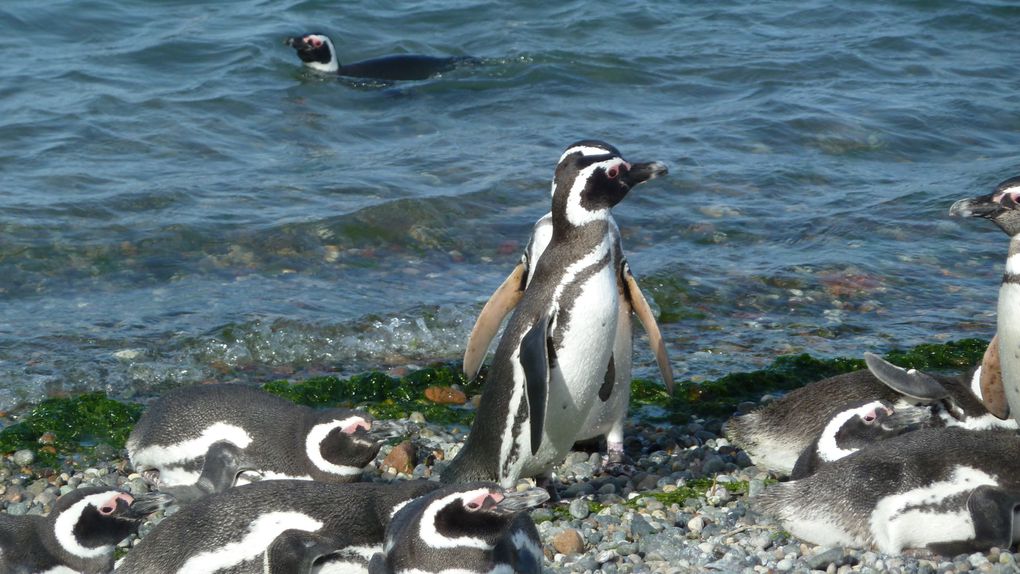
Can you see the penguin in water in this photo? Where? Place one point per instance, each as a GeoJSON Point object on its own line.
{"type": "Point", "coordinates": [318, 53]}
{"type": "Point", "coordinates": [274, 527]}
{"type": "Point", "coordinates": [79, 535]}
{"type": "Point", "coordinates": [949, 490]}
{"type": "Point", "coordinates": [555, 351]}
{"type": "Point", "coordinates": [197, 439]}
{"type": "Point", "coordinates": [775, 435]}
{"type": "Point", "coordinates": [1002, 207]}
{"type": "Point", "coordinates": [609, 413]}
{"type": "Point", "coordinates": [467, 528]}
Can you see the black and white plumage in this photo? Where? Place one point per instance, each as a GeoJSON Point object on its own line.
{"type": "Point", "coordinates": [1002, 207]}
{"type": "Point", "coordinates": [464, 529]}
{"type": "Point", "coordinates": [79, 535]}
{"type": "Point", "coordinates": [776, 434]}
{"type": "Point", "coordinates": [239, 530]}
{"type": "Point", "coordinates": [318, 53]}
{"type": "Point", "coordinates": [609, 413]}
{"type": "Point", "coordinates": [555, 351]}
{"type": "Point", "coordinates": [252, 430]}
{"type": "Point", "coordinates": [949, 490]}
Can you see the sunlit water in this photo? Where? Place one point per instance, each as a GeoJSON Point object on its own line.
{"type": "Point", "coordinates": [180, 201]}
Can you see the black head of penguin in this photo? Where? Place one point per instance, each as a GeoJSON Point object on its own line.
{"type": "Point", "coordinates": [591, 177]}
{"type": "Point", "coordinates": [468, 527]}
{"type": "Point", "coordinates": [342, 438]}
{"type": "Point", "coordinates": [88, 522]}
{"type": "Point", "coordinates": [1002, 206]}
{"type": "Point", "coordinates": [316, 51]}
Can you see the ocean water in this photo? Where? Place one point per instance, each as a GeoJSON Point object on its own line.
{"type": "Point", "coordinates": [181, 201]}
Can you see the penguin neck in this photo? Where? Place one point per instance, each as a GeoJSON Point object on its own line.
{"type": "Point", "coordinates": [1009, 326]}
{"type": "Point", "coordinates": [591, 233]}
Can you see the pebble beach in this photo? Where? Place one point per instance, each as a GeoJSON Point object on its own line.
{"type": "Point", "coordinates": [686, 504]}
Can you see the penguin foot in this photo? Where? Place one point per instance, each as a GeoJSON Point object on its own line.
{"type": "Point", "coordinates": [151, 477]}
{"type": "Point", "coordinates": [617, 463]}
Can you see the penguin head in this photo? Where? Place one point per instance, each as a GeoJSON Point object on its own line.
{"type": "Point", "coordinates": [316, 51]}
{"type": "Point", "coordinates": [473, 514]}
{"type": "Point", "coordinates": [863, 424]}
{"type": "Point", "coordinates": [342, 441]}
{"type": "Point", "coordinates": [1002, 206]}
{"type": "Point", "coordinates": [591, 177]}
{"type": "Point", "coordinates": [88, 522]}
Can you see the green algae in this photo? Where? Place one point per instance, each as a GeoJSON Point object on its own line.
{"type": "Point", "coordinates": [71, 425]}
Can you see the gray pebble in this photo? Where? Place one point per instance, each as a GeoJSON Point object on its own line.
{"type": "Point", "coordinates": [579, 508]}
{"type": "Point", "coordinates": [24, 457]}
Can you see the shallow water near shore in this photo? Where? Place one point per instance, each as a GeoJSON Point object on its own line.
{"type": "Point", "coordinates": [182, 202]}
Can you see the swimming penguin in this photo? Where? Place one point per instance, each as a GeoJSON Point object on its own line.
{"type": "Point", "coordinates": [949, 490]}
{"type": "Point", "coordinates": [79, 535]}
{"type": "Point", "coordinates": [467, 528]}
{"type": "Point", "coordinates": [239, 530]}
{"type": "Point", "coordinates": [1002, 208]}
{"type": "Point", "coordinates": [858, 426]}
{"type": "Point", "coordinates": [318, 53]}
{"type": "Point", "coordinates": [608, 414]}
{"type": "Point", "coordinates": [776, 434]}
{"type": "Point", "coordinates": [244, 428]}
{"type": "Point", "coordinates": [555, 351]}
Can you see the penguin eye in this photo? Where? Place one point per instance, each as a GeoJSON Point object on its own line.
{"type": "Point", "coordinates": [613, 172]}
{"type": "Point", "coordinates": [869, 418]}
{"type": "Point", "coordinates": [107, 509]}
{"type": "Point", "coordinates": [316, 42]}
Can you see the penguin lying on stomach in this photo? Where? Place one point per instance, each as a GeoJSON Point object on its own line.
{"type": "Point", "coordinates": [555, 353]}
{"type": "Point", "coordinates": [466, 528]}
{"type": "Point", "coordinates": [198, 438]}
{"type": "Point", "coordinates": [79, 535]}
{"type": "Point", "coordinates": [318, 53]}
{"type": "Point", "coordinates": [949, 490]}
{"type": "Point", "coordinates": [608, 414]}
{"type": "Point", "coordinates": [775, 435]}
{"type": "Point", "coordinates": [1002, 208]}
{"type": "Point", "coordinates": [274, 527]}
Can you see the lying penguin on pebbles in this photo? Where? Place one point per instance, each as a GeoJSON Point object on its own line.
{"type": "Point", "coordinates": [196, 440]}
{"type": "Point", "coordinates": [239, 530]}
{"type": "Point", "coordinates": [466, 528]}
{"type": "Point", "coordinates": [318, 53]}
{"type": "Point", "coordinates": [79, 534]}
{"type": "Point", "coordinates": [775, 435]}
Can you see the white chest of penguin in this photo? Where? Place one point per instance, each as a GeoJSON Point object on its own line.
{"type": "Point", "coordinates": [586, 327]}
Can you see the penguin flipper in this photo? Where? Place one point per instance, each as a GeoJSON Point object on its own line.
{"type": "Point", "coordinates": [534, 356]}
{"type": "Point", "coordinates": [297, 550]}
{"type": "Point", "coordinates": [503, 299]}
{"type": "Point", "coordinates": [378, 564]}
{"type": "Point", "coordinates": [991, 511]}
{"type": "Point", "coordinates": [993, 394]}
{"type": "Point", "coordinates": [912, 383]}
{"type": "Point", "coordinates": [639, 304]}
{"type": "Point", "coordinates": [220, 467]}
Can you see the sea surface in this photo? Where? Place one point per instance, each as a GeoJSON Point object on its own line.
{"type": "Point", "coordinates": [181, 201]}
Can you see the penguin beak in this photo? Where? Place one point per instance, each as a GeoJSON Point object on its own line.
{"type": "Point", "coordinates": [987, 206]}
{"type": "Point", "coordinates": [642, 172]}
{"type": "Point", "coordinates": [148, 503]}
{"type": "Point", "coordinates": [517, 501]}
{"type": "Point", "coordinates": [296, 43]}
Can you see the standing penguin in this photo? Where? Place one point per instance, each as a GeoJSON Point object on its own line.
{"type": "Point", "coordinates": [318, 53]}
{"type": "Point", "coordinates": [273, 527]}
{"type": "Point", "coordinates": [79, 535]}
{"type": "Point", "coordinates": [1002, 207]}
{"type": "Point", "coordinates": [609, 413]}
{"type": "Point", "coordinates": [948, 490]}
{"type": "Point", "coordinates": [467, 528]}
{"type": "Point", "coordinates": [556, 349]}
{"type": "Point", "coordinates": [219, 430]}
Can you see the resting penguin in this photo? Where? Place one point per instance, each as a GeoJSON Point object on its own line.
{"type": "Point", "coordinates": [318, 53]}
{"type": "Point", "coordinates": [275, 526]}
{"type": "Point", "coordinates": [79, 535]}
{"type": "Point", "coordinates": [609, 413]}
{"type": "Point", "coordinates": [776, 434]}
{"type": "Point", "coordinates": [554, 353]}
{"type": "Point", "coordinates": [469, 528]}
{"type": "Point", "coordinates": [858, 426]}
{"type": "Point", "coordinates": [243, 428]}
{"type": "Point", "coordinates": [949, 490]}
{"type": "Point", "coordinates": [1002, 208]}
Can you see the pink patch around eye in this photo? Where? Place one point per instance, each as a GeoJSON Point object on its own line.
{"type": "Point", "coordinates": [316, 42]}
{"type": "Point", "coordinates": [613, 172]}
{"type": "Point", "coordinates": [357, 424]}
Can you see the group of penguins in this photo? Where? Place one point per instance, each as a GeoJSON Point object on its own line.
{"type": "Point", "coordinates": [884, 457]}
